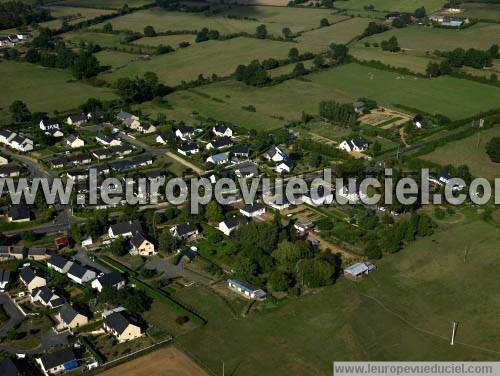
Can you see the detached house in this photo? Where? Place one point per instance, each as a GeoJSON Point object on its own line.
{"type": "Point", "coordinates": [21, 143]}
{"type": "Point", "coordinates": [144, 127]}
{"type": "Point", "coordinates": [184, 231]}
{"type": "Point", "coordinates": [81, 274]}
{"type": "Point", "coordinates": [241, 151]}
{"type": "Point", "coordinates": [188, 149]}
{"type": "Point", "coordinates": [121, 325]}
{"type": "Point", "coordinates": [355, 144]}
{"type": "Point", "coordinates": [70, 317]}
{"type": "Point", "coordinates": [57, 362]}
{"type": "Point", "coordinates": [112, 280]}
{"type": "Point", "coordinates": [162, 138]}
{"type": "Point", "coordinates": [284, 166]}
{"type": "Point", "coordinates": [218, 159]}
{"type": "Point", "coordinates": [125, 230]}
{"type": "Point", "coordinates": [141, 246]}
{"type": "Point", "coordinates": [30, 279]}
{"type": "Point", "coordinates": [253, 210]}
{"type": "Point", "coordinates": [108, 140]}
{"type": "Point", "coordinates": [220, 143]}
{"type": "Point", "coordinates": [230, 224]}
{"type": "Point", "coordinates": [74, 142]}
{"type": "Point", "coordinates": [275, 154]}
{"type": "Point", "coordinates": [125, 116]}
{"type": "Point", "coordinates": [19, 213]}
{"type": "Point", "coordinates": [59, 263]}
{"type": "Point", "coordinates": [184, 133]}
{"type": "Point", "coordinates": [46, 297]}
{"type": "Point", "coordinates": [49, 124]}
{"type": "Point", "coordinates": [220, 130]}
{"type": "Point", "coordinates": [76, 119]}
{"type": "Point", "coordinates": [56, 133]}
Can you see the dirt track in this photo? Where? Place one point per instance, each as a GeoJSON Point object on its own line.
{"type": "Point", "coordinates": [166, 361]}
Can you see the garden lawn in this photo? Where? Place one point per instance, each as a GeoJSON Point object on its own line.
{"type": "Point", "coordinates": [275, 19]}
{"type": "Point", "coordinates": [470, 151]}
{"type": "Point", "coordinates": [420, 39]}
{"type": "Point", "coordinates": [219, 57]}
{"type": "Point", "coordinates": [44, 89]}
{"type": "Point", "coordinates": [402, 311]}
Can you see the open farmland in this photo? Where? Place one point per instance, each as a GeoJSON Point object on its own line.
{"type": "Point", "coordinates": [72, 15]}
{"type": "Point", "coordinates": [481, 11]}
{"type": "Point", "coordinates": [391, 5]}
{"type": "Point", "coordinates": [115, 59]}
{"type": "Point", "coordinates": [55, 89]}
{"type": "Point", "coordinates": [219, 57]}
{"type": "Point", "coordinates": [275, 19]}
{"type": "Point", "coordinates": [417, 64]}
{"type": "Point", "coordinates": [341, 33]}
{"type": "Point", "coordinates": [166, 40]}
{"type": "Point", "coordinates": [403, 311]}
{"type": "Point", "coordinates": [470, 151]}
{"type": "Point", "coordinates": [104, 4]}
{"type": "Point", "coordinates": [102, 39]}
{"type": "Point", "coordinates": [421, 39]}
{"type": "Point", "coordinates": [279, 103]}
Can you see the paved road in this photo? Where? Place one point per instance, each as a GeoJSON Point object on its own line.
{"type": "Point", "coordinates": [172, 271]}
{"type": "Point", "coordinates": [15, 315]}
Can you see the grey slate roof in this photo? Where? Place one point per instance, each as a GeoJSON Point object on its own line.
{"type": "Point", "coordinates": [186, 228]}
{"type": "Point", "coordinates": [19, 212]}
{"type": "Point", "coordinates": [111, 279]}
{"type": "Point", "coordinates": [57, 358]}
{"type": "Point", "coordinates": [77, 270]}
{"type": "Point", "coordinates": [125, 227]}
{"type": "Point", "coordinates": [58, 261]}
{"type": "Point", "coordinates": [4, 275]}
{"type": "Point", "coordinates": [27, 274]}
{"type": "Point", "coordinates": [118, 321]}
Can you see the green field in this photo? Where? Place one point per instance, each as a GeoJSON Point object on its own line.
{"type": "Point", "coordinates": [166, 40]}
{"type": "Point", "coordinates": [104, 4]}
{"type": "Point", "coordinates": [470, 151]}
{"type": "Point", "coordinates": [402, 311]}
{"type": "Point", "coordinates": [219, 57]}
{"type": "Point", "coordinates": [279, 103]}
{"type": "Point", "coordinates": [414, 63]}
{"type": "Point", "coordinates": [75, 14]}
{"type": "Point", "coordinates": [391, 5]}
{"type": "Point", "coordinates": [343, 32]}
{"type": "Point", "coordinates": [275, 18]}
{"type": "Point", "coordinates": [115, 59]}
{"type": "Point", "coordinates": [481, 11]}
{"type": "Point", "coordinates": [102, 39]}
{"type": "Point", "coordinates": [421, 39]}
{"type": "Point", "coordinates": [44, 89]}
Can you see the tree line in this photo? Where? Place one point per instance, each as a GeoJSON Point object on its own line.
{"type": "Point", "coordinates": [16, 13]}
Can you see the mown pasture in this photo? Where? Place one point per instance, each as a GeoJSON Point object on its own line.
{"type": "Point", "coordinates": [391, 5]}
{"type": "Point", "coordinates": [481, 11]}
{"type": "Point", "coordinates": [166, 40]}
{"type": "Point", "coordinates": [44, 89]}
{"type": "Point", "coordinates": [402, 311]}
{"type": "Point", "coordinates": [219, 57]}
{"type": "Point", "coordinates": [231, 19]}
{"type": "Point", "coordinates": [470, 151]}
{"type": "Point", "coordinates": [71, 15]}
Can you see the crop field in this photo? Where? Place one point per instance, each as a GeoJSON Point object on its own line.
{"type": "Point", "coordinates": [422, 39]}
{"type": "Point", "coordinates": [275, 19]}
{"type": "Point", "coordinates": [342, 32]}
{"type": "Point", "coordinates": [219, 57]}
{"type": "Point", "coordinates": [55, 89]}
{"type": "Point", "coordinates": [391, 5]}
{"type": "Point", "coordinates": [402, 311]}
{"type": "Point", "coordinates": [166, 40]}
{"type": "Point", "coordinates": [481, 11]}
{"type": "Point", "coordinates": [470, 151]}
{"type": "Point", "coordinates": [417, 64]}
{"type": "Point", "coordinates": [102, 39]}
{"type": "Point", "coordinates": [276, 104]}
{"type": "Point", "coordinates": [104, 4]}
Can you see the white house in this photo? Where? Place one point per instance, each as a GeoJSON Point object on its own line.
{"type": "Point", "coordinates": [161, 139]}
{"type": "Point", "coordinates": [218, 159]}
{"type": "Point", "coordinates": [253, 210]}
{"type": "Point", "coordinates": [80, 274]}
{"type": "Point", "coordinates": [4, 279]}
{"type": "Point", "coordinates": [54, 133]}
{"type": "Point", "coordinates": [221, 130]}
{"type": "Point", "coordinates": [184, 231]}
{"type": "Point", "coordinates": [220, 143]}
{"type": "Point", "coordinates": [145, 128]}
{"type": "Point", "coordinates": [112, 279]}
{"type": "Point", "coordinates": [184, 133]}
{"type": "Point", "coordinates": [74, 142]}
{"type": "Point", "coordinates": [275, 154]}
{"type": "Point", "coordinates": [284, 166]}
{"type": "Point", "coordinates": [355, 144]}
{"type": "Point", "coordinates": [57, 362]}
{"type": "Point", "coordinates": [188, 149]}
{"type": "Point", "coordinates": [59, 264]}
{"type": "Point", "coordinates": [108, 140]}
{"type": "Point", "coordinates": [229, 225]}
{"type": "Point", "coordinates": [21, 143]}
{"type": "Point", "coordinates": [125, 229]}
{"type": "Point", "coordinates": [48, 124]}
{"type": "Point", "coordinates": [76, 119]}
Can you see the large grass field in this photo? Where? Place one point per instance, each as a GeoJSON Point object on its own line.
{"type": "Point", "coordinates": [391, 5]}
{"type": "Point", "coordinates": [341, 33]}
{"type": "Point", "coordinates": [275, 19]}
{"type": "Point", "coordinates": [166, 40]}
{"type": "Point", "coordinates": [470, 151]}
{"type": "Point", "coordinates": [481, 11]}
{"type": "Point", "coordinates": [219, 57]}
{"type": "Point", "coordinates": [104, 4]}
{"type": "Point", "coordinates": [402, 311]}
{"type": "Point", "coordinates": [276, 104]}
{"type": "Point", "coordinates": [115, 59]}
{"type": "Point", "coordinates": [421, 39]}
{"type": "Point", "coordinates": [75, 14]}
{"type": "Point", "coordinates": [102, 39]}
{"type": "Point", "coordinates": [43, 89]}
{"type": "Point", "coordinates": [414, 63]}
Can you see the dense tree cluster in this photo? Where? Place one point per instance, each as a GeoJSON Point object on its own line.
{"type": "Point", "coordinates": [18, 13]}
{"type": "Point", "coordinates": [252, 74]}
{"type": "Point", "coordinates": [402, 21]}
{"type": "Point", "coordinates": [493, 149]}
{"type": "Point", "coordinates": [374, 28]}
{"type": "Point", "coordinates": [339, 52]}
{"type": "Point", "coordinates": [19, 111]}
{"type": "Point", "coordinates": [133, 300]}
{"type": "Point", "coordinates": [205, 34]}
{"type": "Point", "coordinates": [140, 89]}
{"type": "Point", "coordinates": [391, 44]}
{"type": "Point", "coordinates": [472, 57]}
{"type": "Point", "coordinates": [341, 113]}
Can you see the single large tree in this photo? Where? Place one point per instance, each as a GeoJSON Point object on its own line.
{"type": "Point", "coordinates": [19, 111]}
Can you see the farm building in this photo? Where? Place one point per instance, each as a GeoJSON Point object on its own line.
{"type": "Point", "coordinates": [359, 270]}
{"type": "Point", "coordinates": [246, 289]}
